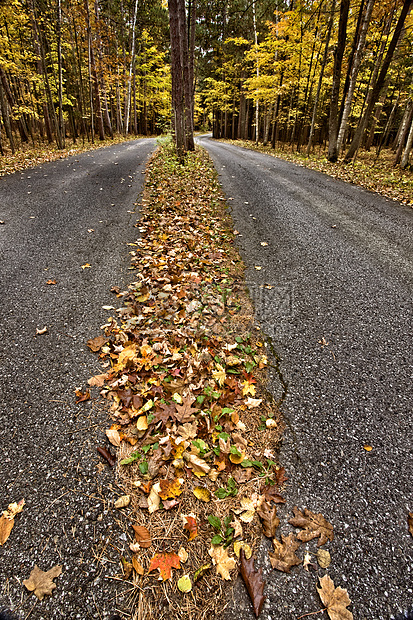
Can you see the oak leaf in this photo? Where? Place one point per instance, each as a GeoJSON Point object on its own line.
{"type": "Point", "coordinates": [40, 582]}
{"type": "Point", "coordinates": [164, 562]}
{"type": "Point", "coordinates": [335, 599]}
{"type": "Point", "coordinates": [184, 412]}
{"type": "Point", "coordinates": [254, 582]}
{"type": "Point", "coordinates": [223, 563]}
{"type": "Point", "coordinates": [269, 519]}
{"type": "Point", "coordinates": [280, 477]}
{"type": "Point", "coordinates": [283, 557]}
{"type": "Point", "coordinates": [314, 526]}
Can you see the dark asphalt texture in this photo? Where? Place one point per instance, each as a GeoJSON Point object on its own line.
{"type": "Point", "coordinates": [48, 444]}
{"type": "Point", "coordinates": [339, 317]}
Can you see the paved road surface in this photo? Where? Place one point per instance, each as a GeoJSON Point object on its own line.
{"type": "Point", "coordinates": [48, 444]}
{"type": "Point", "coordinates": [340, 261]}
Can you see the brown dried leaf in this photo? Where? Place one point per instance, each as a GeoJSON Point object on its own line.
{"type": "Point", "coordinates": [410, 522]}
{"type": "Point", "coordinates": [314, 526]}
{"type": "Point", "coordinates": [269, 519]}
{"type": "Point", "coordinates": [95, 344]}
{"type": "Point", "coordinates": [185, 411]}
{"type": "Point", "coordinates": [254, 582]}
{"type": "Point", "coordinates": [283, 557]}
{"type": "Point", "coordinates": [222, 561]}
{"type": "Point", "coordinates": [335, 599]}
{"type": "Point", "coordinates": [40, 582]}
{"type": "Point", "coordinates": [280, 477]}
{"type": "Point", "coordinates": [142, 536]}
{"type": "Point", "coordinates": [82, 397]}
{"type": "Point", "coordinates": [137, 566]}
{"type": "Point", "coordinates": [271, 494]}
{"type": "Point", "coordinates": [98, 380]}
{"type": "Point", "coordinates": [113, 435]}
{"type": "Point", "coordinates": [6, 526]}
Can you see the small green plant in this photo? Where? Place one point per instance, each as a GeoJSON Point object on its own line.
{"type": "Point", "coordinates": [223, 531]}
{"type": "Point", "coordinates": [230, 491]}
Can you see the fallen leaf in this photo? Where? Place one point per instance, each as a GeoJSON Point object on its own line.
{"type": "Point", "coordinates": [258, 268]}
{"type": "Point", "coordinates": [7, 519]}
{"type": "Point", "coordinates": [237, 525]}
{"type": "Point", "coordinates": [122, 501]}
{"type": "Point", "coordinates": [219, 375]}
{"type": "Point", "coordinates": [283, 557]}
{"type": "Point", "coordinates": [184, 584]}
{"type": "Point", "coordinates": [170, 488]}
{"type": "Point", "coordinates": [280, 477]}
{"type": "Point", "coordinates": [199, 466]}
{"type": "Point", "coordinates": [240, 544]}
{"type": "Point", "coordinates": [164, 562]}
{"type": "Point", "coordinates": [264, 243]}
{"type": "Point", "coordinates": [368, 448]}
{"type": "Point", "coordinates": [270, 494]}
{"type": "Point", "coordinates": [40, 332]}
{"type": "Point", "coordinates": [142, 536]}
{"type": "Point", "coordinates": [86, 266]}
{"type": "Point", "coordinates": [82, 397]}
{"type": "Point", "coordinates": [253, 581]}
{"type": "Point", "coordinates": [335, 599]}
{"type": "Point", "coordinates": [107, 455]}
{"type": "Point", "coordinates": [314, 526]}
{"type": "Point", "coordinates": [269, 519]}
{"type": "Point", "coordinates": [154, 499]}
{"type": "Point", "coordinates": [253, 402]}
{"type": "Point", "coordinates": [138, 568]}
{"type": "Point", "coordinates": [410, 522]}
{"type": "Point", "coordinates": [307, 561]}
{"type": "Point", "coordinates": [202, 494]}
{"type": "Point", "coordinates": [200, 572]}
{"type": "Point", "coordinates": [323, 558]}
{"type": "Point", "coordinates": [183, 555]}
{"type": "Point", "coordinates": [184, 412]}
{"type": "Point", "coordinates": [95, 344]}
{"type": "Point", "coordinates": [127, 567]}
{"type": "Point", "coordinates": [142, 423]}
{"type": "Point", "coordinates": [223, 563]}
{"type": "Point", "coordinates": [191, 526]}
{"type": "Point", "coordinates": [51, 282]}
{"type": "Point", "coordinates": [98, 380]}
{"type": "Point", "coordinates": [40, 582]}
{"type": "Point", "coordinates": [113, 435]}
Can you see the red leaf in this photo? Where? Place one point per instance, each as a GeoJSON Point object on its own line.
{"type": "Point", "coordinates": [192, 526]}
{"type": "Point", "coordinates": [164, 562]}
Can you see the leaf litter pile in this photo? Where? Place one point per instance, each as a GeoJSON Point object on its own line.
{"type": "Point", "coordinates": [194, 429]}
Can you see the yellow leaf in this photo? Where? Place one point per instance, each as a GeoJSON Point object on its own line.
{"type": "Point", "coordinates": [240, 544]}
{"type": "Point", "coordinates": [170, 488]}
{"type": "Point", "coordinates": [184, 584]}
{"type": "Point", "coordinates": [154, 499]}
{"type": "Point", "coordinates": [137, 566]}
{"type": "Point", "coordinates": [142, 423]}
{"type": "Point", "coordinates": [248, 388]}
{"type": "Point", "coordinates": [86, 266]}
{"type": "Point", "coordinates": [368, 448]}
{"type": "Point", "coordinates": [219, 375]}
{"type": "Point", "coordinates": [202, 494]}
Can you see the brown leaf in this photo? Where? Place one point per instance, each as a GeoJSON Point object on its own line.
{"type": "Point", "coordinates": [107, 455]}
{"type": "Point", "coordinates": [95, 344]}
{"type": "Point", "coordinates": [164, 412]}
{"type": "Point", "coordinates": [98, 380]}
{"type": "Point", "coordinates": [138, 568]}
{"type": "Point", "coordinates": [82, 397]}
{"type": "Point", "coordinates": [269, 519]}
{"type": "Point", "coordinates": [164, 562]}
{"type": "Point", "coordinates": [254, 582]}
{"type": "Point", "coordinates": [184, 412]}
{"type": "Point", "coordinates": [6, 526]}
{"type": "Point", "coordinates": [271, 494]}
{"type": "Point", "coordinates": [51, 282]}
{"type": "Point", "coordinates": [142, 536]}
{"type": "Point", "coordinates": [410, 522]}
{"type": "Point", "coordinates": [280, 477]}
{"type": "Point", "coordinates": [335, 599]}
{"type": "Point", "coordinates": [314, 526]}
{"type": "Point", "coordinates": [224, 564]}
{"type": "Point", "coordinates": [41, 583]}
{"type": "Point", "coordinates": [283, 557]}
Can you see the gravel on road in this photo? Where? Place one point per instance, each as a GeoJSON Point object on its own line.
{"type": "Point", "coordinates": [68, 221]}
{"type": "Point", "coordinates": [330, 269]}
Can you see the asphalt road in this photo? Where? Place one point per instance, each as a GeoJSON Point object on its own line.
{"type": "Point", "coordinates": [59, 217]}
{"type": "Point", "coordinates": [339, 315]}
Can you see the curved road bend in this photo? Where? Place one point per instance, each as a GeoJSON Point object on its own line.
{"type": "Point", "coordinates": [58, 217]}
{"type": "Point", "coordinates": [340, 261]}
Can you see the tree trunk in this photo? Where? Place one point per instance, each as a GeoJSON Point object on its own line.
{"type": "Point", "coordinates": [354, 73]}
{"type": "Point", "coordinates": [186, 77]}
{"type": "Point", "coordinates": [375, 93]}
{"type": "Point", "coordinates": [405, 158]}
{"type": "Point", "coordinates": [6, 118]}
{"type": "Point", "coordinates": [335, 91]}
{"type": "Point", "coordinates": [404, 129]}
{"type": "Point", "coordinates": [176, 74]}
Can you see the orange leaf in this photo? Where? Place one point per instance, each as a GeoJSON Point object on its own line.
{"type": "Point", "coordinates": [170, 488]}
{"type": "Point", "coordinates": [192, 526]}
{"type": "Point", "coordinates": [164, 562]}
{"type": "Point", "coordinates": [82, 397]}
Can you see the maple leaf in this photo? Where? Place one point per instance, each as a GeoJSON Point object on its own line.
{"type": "Point", "coordinates": [224, 564]}
{"type": "Point", "coordinates": [248, 388]}
{"type": "Point", "coordinates": [170, 488]}
{"type": "Point", "coordinates": [164, 411]}
{"type": "Point", "coordinates": [254, 582]}
{"type": "Point", "coordinates": [283, 557]}
{"type": "Point", "coordinates": [191, 526]}
{"type": "Point", "coordinates": [164, 562]}
{"type": "Point", "coordinates": [269, 519]}
{"type": "Point", "coordinates": [184, 412]}
{"type": "Point", "coordinates": [335, 599]}
{"type": "Point", "coordinates": [40, 582]}
{"type": "Point", "coordinates": [142, 536]}
{"type": "Point", "coordinates": [315, 526]}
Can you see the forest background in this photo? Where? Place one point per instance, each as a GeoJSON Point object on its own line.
{"type": "Point", "coordinates": [325, 76]}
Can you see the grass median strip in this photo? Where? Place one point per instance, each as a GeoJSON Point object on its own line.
{"type": "Point", "coordinates": [184, 368]}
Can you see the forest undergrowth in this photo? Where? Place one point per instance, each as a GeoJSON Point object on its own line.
{"type": "Point", "coordinates": [377, 174]}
